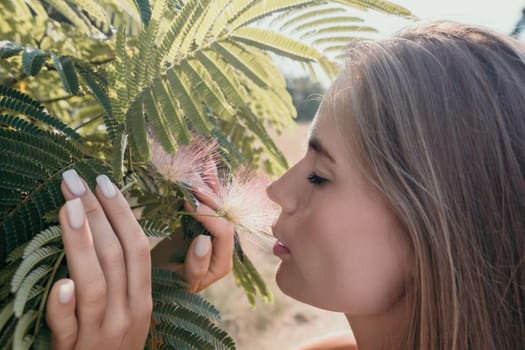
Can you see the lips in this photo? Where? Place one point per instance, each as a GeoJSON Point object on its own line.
{"type": "Point", "coordinates": [280, 249]}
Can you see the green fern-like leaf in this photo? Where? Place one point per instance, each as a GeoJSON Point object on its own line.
{"type": "Point", "coordinates": [20, 341]}
{"type": "Point", "coordinates": [209, 93]}
{"type": "Point", "coordinates": [168, 313]}
{"type": "Point", "coordinates": [183, 319]}
{"type": "Point", "coordinates": [145, 10]}
{"type": "Point", "coordinates": [94, 11]}
{"type": "Point", "coordinates": [53, 154]}
{"type": "Point", "coordinates": [179, 27]}
{"type": "Point", "coordinates": [30, 290]}
{"type": "Point", "coordinates": [30, 262]}
{"type": "Point", "coordinates": [118, 153]}
{"type": "Point", "coordinates": [192, 109]}
{"type": "Point", "coordinates": [313, 12]}
{"type": "Point", "coordinates": [17, 95]}
{"type": "Point", "coordinates": [158, 122]}
{"type": "Point", "coordinates": [337, 30]}
{"type": "Point", "coordinates": [96, 87]}
{"type": "Point", "coordinates": [179, 338]}
{"type": "Point", "coordinates": [155, 228]}
{"type": "Point", "coordinates": [15, 101]}
{"type": "Point", "coordinates": [123, 84]}
{"type": "Point", "coordinates": [6, 314]}
{"type": "Point", "coordinates": [247, 64]}
{"type": "Point", "coordinates": [67, 11]}
{"type": "Point", "coordinates": [6, 273]}
{"type": "Point", "coordinates": [33, 60]}
{"type": "Point", "coordinates": [9, 48]}
{"type": "Point", "coordinates": [247, 277]}
{"type": "Point", "coordinates": [378, 5]}
{"type": "Point", "coordinates": [66, 70]}
{"type": "Point", "coordinates": [136, 125]}
{"type": "Point", "coordinates": [319, 22]}
{"type": "Point", "coordinates": [47, 236]}
{"type": "Point", "coordinates": [169, 106]}
{"type": "Point", "coordinates": [265, 9]}
{"type": "Point", "coordinates": [16, 254]}
{"type": "Point", "coordinates": [277, 43]}
{"type": "Point", "coordinates": [19, 124]}
{"type": "Point", "coordinates": [185, 299]}
{"type": "Point", "coordinates": [27, 285]}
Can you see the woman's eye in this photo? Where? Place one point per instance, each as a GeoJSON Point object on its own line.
{"type": "Point", "coordinates": [316, 179]}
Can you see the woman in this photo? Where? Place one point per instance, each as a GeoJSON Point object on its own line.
{"type": "Point", "coordinates": [407, 211]}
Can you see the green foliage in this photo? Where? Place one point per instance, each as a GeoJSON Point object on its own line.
{"type": "Point", "coordinates": [306, 96]}
{"type": "Point", "coordinates": [247, 276]}
{"type": "Point", "coordinates": [86, 85]}
{"type": "Point", "coordinates": [182, 319]}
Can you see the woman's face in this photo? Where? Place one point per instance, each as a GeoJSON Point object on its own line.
{"type": "Point", "coordinates": [340, 245]}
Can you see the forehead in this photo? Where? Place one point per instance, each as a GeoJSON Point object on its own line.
{"type": "Point", "coordinates": [324, 132]}
{"type": "Point", "coordinates": [329, 114]}
{"type": "Point", "coordinates": [334, 125]}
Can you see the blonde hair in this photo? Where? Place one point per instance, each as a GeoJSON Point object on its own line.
{"type": "Point", "coordinates": [437, 115]}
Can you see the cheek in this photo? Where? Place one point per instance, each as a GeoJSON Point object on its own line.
{"type": "Point", "coordinates": [374, 256]}
{"type": "Point", "coordinates": [352, 261]}
{"type": "Point", "coordinates": [372, 273]}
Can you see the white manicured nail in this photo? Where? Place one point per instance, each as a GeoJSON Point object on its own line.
{"type": "Point", "coordinates": [75, 213]}
{"type": "Point", "coordinates": [107, 188]}
{"type": "Point", "coordinates": [202, 247]}
{"type": "Point", "coordinates": [65, 292]}
{"type": "Point", "coordinates": [195, 202]}
{"type": "Point", "coordinates": [73, 182]}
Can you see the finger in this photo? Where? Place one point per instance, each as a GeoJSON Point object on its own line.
{"type": "Point", "coordinates": [197, 262]}
{"type": "Point", "coordinates": [107, 245]}
{"type": "Point", "coordinates": [204, 193]}
{"type": "Point", "coordinates": [135, 247]}
{"type": "Point", "coordinates": [210, 175]}
{"type": "Point", "coordinates": [222, 244]}
{"type": "Point", "coordinates": [60, 315]}
{"type": "Point", "coordinates": [83, 264]}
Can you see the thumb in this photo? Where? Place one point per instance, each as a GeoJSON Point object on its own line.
{"type": "Point", "coordinates": [197, 262]}
{"type": "Point", "coordinates": [60, 315]}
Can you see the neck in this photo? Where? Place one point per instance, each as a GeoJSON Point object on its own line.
{"type": "Point", "coordinates": [384, 331]}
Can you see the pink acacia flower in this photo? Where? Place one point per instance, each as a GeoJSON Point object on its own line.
{"type": "Point", "coordinates": [240, 198]}
{"type": "Point", "coordinates": [188, 164]}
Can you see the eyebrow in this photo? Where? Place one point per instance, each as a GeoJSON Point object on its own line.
{"type": "Point", "coordinates": [317, 146]}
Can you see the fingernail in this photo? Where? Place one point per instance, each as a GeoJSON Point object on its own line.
{"type": "Point", "coordinates": [75, 213]}
{"type": "Point", "coordinates": [202, 247]}
{"type": "Point", "coordinates": [65, 292]}
{"type": "Point", "coordinates": [195, 202]}
{"type": "Point", "coordinates": [73, 182]}
{"type": "Point", "coordinates": [106, 186]}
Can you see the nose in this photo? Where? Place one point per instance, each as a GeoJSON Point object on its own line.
{"type": "Point", "coordinates": [282, 193]}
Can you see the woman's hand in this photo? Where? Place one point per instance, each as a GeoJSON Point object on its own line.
{"type": "Point", "coordinates": [209, 257]}
{"type": "Point", "coordinates": [107, 303]}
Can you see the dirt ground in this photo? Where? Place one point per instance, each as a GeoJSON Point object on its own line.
{"type": "Point", "coordinates": [285, 324]}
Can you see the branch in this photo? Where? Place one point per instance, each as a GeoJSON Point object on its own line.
{"type": "Point", "coordinates": [60, 98]}
{"type": "Point", "coordinates": [89, 121]}
{"type": "Point", "coordinates": [12, 82]}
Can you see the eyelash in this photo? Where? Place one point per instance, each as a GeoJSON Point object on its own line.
{"type": "Point", "coordinates": [315, 179]}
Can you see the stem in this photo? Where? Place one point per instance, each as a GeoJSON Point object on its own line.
{"type": "Point", "coordinates": [89, 122]}
{"type": "Point", "coordinates": [46, 293]}
{"type": "Point", "coordinates": [127, 186]}
{"type": "Point", "coordinates": [143, 204]}
{"type": "Point", "coordinates": [61, 98]}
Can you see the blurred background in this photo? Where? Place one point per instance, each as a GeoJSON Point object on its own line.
{"type": "Point", "coordinates": [286, 323]}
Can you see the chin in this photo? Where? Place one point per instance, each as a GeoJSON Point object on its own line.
{"type": "Point", "coordinates": [295, 288]}
{"type": "Point", "coordinates": [283, 281]}
{"type": "Point", "coordinates": [289, 284]}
